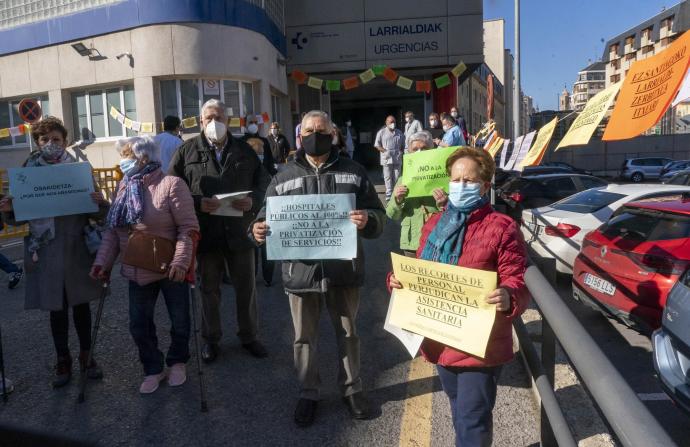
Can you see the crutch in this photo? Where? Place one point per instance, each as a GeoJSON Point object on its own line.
{"type": "Point", "coordinates": [2, 371]}
{"type": "Point", "coordinates": [99, 313]}
{"type": "Point", "coordinates": [193, 294]}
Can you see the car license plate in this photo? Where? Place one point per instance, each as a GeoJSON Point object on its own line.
{"type": "Point", "coordinates": [600, 285]}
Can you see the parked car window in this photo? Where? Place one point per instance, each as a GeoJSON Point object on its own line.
{"type": "Point", "coordinates": [561, 187]}
{"type": "Point", "coordinates": [638, 162]}
{"type": "Point", "coordinates": [592, 182]}
{"type": "Point", "coordinates": [589, 201]}
{"type": "Point", "coordinates": [681, 179]}
{"type": "Point", "coordinates": [646, 226]}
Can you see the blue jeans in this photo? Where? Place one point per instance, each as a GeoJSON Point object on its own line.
{"type": "Point", "coordinates": [7, 266]}
{"type": "Point", "coordinates": [142, 304]}
{"type": "Point", "coordinates": [472, 395]}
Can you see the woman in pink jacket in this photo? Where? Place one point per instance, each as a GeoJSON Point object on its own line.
{"type": "Point", "coordinates": [152, 203]}
{"type": "Point", "coordinates": [469, 233]}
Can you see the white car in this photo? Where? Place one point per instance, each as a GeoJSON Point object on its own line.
{"type": "Point", "coordinates": [556, 231]}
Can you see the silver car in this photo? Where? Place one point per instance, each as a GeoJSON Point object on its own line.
{"type": "Point", "coordinates": [641, 169]}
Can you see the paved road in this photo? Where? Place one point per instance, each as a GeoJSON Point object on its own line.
{"type": "Point", "coordinates": [631, 353]}
{"type": "Point", "coordinates": [251, 401]}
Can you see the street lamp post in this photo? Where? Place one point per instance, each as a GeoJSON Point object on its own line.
{"type": "Point", "coordinates": [516, 89]}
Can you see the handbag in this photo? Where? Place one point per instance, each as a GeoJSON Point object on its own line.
{"type": "Point", "coordinates": [148, 252]}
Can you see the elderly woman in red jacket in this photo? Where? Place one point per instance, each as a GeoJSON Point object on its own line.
{"type": "Point", "coordinates": [469, 233]}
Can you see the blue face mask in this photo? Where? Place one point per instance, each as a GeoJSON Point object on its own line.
{"type": "Point", "coordinates": [464, 195]}
{"type": "Point", "coordinates": [129, 166]}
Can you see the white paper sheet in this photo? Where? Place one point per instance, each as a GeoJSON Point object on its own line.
{"type": "Point", "coordinates": [410, 340]}
{"type": "Point", "coordinates": [226, 208]}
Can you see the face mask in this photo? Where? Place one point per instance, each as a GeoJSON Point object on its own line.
{"type": "Point", "coordinates": [261, 157]}
{"type": "Point", "coordinates": [446, 128]}
{"type": "Point", "coordinates": [334, 141]}
{"type": "Point", "coordinates": [408, 119]}
{"type": "Point", "coordinates": [128, 166]}
{"type": "Point", "coordinates": [349, 123]}
{"type": "Point", "coordinates": [274, 132]}
{"type": "Point", "coordinates": [464, 195]}
{"type": "Point", "coordinates": [454, 114]}
{"type": "Point", "coordinates": [391, 126]}
{"type": "Point", "coordinates": [215, 131]}
{"type": "Point", "coordinates": [317, 144]}
{"type": "Point", "coordinates": [253, 128]}
{"type": "Point", "coordinates": [52, 151]}
{"type": "Point", "coordinates": [433, 123]}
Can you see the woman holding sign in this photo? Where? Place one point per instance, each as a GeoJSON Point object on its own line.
{"type": "Point", "coordinates": [469, 233]}
{"type": "Point", "coordinates": [150, 213]}
{"type": "Point", "coordinates": [57, 259]}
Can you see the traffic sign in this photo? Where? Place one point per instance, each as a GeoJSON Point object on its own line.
{"type": "Point", "coordinates": [29, 110]}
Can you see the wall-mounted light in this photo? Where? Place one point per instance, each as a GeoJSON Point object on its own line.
{"type": "Point", "coordinates": [92, 53]}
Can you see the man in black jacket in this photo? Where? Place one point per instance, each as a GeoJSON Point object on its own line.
{"type": "Point", "coordinates": [280, 147]}
{"type": "Point", "coordinates": [318, 169]}
{"type": "Point", "coordinates": [216, 163]}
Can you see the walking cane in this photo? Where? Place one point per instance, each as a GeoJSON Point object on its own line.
{"type": "Point", "coordinates": [193, 293]}
{"type": "Point", "coordinates": [2, 371]}
{"type": "Point", "coordinates": [99, 313]}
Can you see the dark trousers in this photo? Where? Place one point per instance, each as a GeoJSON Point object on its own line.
{"type": "Point", "coordinates": [267, 267]}
{"type": "Point", "coordinates": [142, 305]}
{"type": "Point", "coordinates": [7, 266]}
{"type": "Point", "coordinates": [59, 326]}
{"type": "Point", "coordinates": [240, 266]}
{"type": "Point", "coordinates": [472, 396]}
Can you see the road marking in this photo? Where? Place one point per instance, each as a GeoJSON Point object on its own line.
{"type": "Point", "coordinates": [415, 427]}
{"type": "Point", "coordinates": [653, 396]}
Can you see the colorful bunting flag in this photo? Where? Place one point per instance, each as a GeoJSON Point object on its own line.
{"type": "Point", "coordinates": [299, 76]}
{"type": "Point", "coordinates": [136, 126]}
{"type": "Point", "coordinates": [315, 82]}
{"type": "Point", "coordinates": [333, 85]}
{"type": "Point", "coordinates": [379, 69]}
{"type": "Point", "coordinates": [120, 118]}
{"type": "Point", "coordinates": [4, 133]}
{"type": "Point", "coordinates": [113, 112]}
{"type": "Point", "coordinates": [404, 82]}
{"type": "Point", "coordinates": [442, 81]}
{"type": "Point", "coordinates": [367, 76]}
{"type": "Point", "coordinates": [243, 122]}
{"type": "Point", "coordinates": [424, 86]}
{"type": "Point", "coordinates": [265, 117]}
{"type": "Point", "coordinates": [351, 83]}
{"type": "Point", "coordinates": [147, 127]}
{"type": "Point", "coordinates": [390, 74]}
{"type": "Point", "coordinates": [234, 122]}
{"type": "Point", "coordinates": [259, 119]}
{"type": "Point", "coordinates": [459, 69]}
{"type": "Point", "coordinates": [128, 123]}
{"type": "Point", "coordinates": [189, 122]}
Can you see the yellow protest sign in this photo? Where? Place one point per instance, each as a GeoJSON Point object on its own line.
{"type": "Point", "coordinates": [587, 121]}
{"type": "Point", "coordinates": [444, 302]}
{"type": "Point", "coordinates": [648, 89]}
{"type": "Point", "coordinates": [541, 143]}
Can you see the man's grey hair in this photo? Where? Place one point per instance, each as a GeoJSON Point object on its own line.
{"type": "Point", "coordinates": [215, 104]}
{"type": "Point", "coordinates": [425, 137]}
{"type": "Point", "coordinates": [141, 146]}
{"type": "Point", "coordinates": [320, 115]}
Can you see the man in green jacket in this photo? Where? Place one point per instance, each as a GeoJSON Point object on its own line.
{"type": "Point", "coordinates": [414, 212]}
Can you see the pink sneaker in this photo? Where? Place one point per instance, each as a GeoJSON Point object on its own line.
{"type": "Point", "coordinates": [177, 374]}
{"type": "Point", "coordinates": [150, 383]}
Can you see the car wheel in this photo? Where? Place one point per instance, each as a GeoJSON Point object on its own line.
{"type": "Point", "coordinates": [637, 177]}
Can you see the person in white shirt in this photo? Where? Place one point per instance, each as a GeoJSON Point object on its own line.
{"type": "Point", "coordinates": [169, 140]}
{"type": "Point", "coordinates": [412, 126]}
{"type": "Point", "coordinates": [390, 142]}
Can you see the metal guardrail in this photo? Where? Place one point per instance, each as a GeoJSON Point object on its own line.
{"type": "Point", "coordinates": [631, 421]}
{"type": "Point", "coordinates": [106, 179]}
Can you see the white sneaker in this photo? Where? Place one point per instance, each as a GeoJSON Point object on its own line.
{"type": "Point", "coordinates": [9, 386]}
{"type": "Point", "coordinates": [150, 383]}
{"type": "Point", "coordinates": [177, 374]}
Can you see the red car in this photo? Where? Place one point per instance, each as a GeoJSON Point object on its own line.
{"type": "Point", "coordinates": [628, 265]}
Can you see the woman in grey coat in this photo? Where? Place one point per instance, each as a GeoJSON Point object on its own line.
{"type": "Point", "coordinates": [57, 260]}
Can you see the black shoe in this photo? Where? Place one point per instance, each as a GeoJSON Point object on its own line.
{"type": "Point", "coordinates": [63, 371]}
{"type": "Point", "coordinates": [305, 412]}
{"type": "Point", "coordinates": [358, 406]}
{"type": "Point", "coordinates": [256, 349]}
{"type": "Point", "coordinates": [93, 371]}
{"type": "Point", "coordinates": [15, 277]}
{"type": "Point", "coordinates": [268, 283]}
{"type": "Point", "coordinates": [209, 352]}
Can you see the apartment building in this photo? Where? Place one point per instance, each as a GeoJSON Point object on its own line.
{"type": "Point", "coordinates": [590, 81]}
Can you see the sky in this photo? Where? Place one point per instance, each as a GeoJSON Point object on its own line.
{"type": "Point", "coordinates": [561, 37]}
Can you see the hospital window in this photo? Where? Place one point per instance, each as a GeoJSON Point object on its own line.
{"type": "Point", "coordinates": [91, 113]}
{"type": "Point", "coordinates": [9, 117]}
{"type": "Point", "coordinates": [184, 97]}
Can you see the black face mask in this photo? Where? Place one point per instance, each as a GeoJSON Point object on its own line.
{"type": "Point", "coordinates": [317, 144]}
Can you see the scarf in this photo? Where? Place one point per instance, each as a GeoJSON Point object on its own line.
{"type": "Point", "coordinates": [445, 242]}
{"type": "Point", "coordinates": [128, 206]}
{"type": "Point", "coordinates": [42, 231]}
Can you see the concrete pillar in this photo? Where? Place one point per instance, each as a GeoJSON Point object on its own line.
{"type": "Point", "coordinates": [146, 100]}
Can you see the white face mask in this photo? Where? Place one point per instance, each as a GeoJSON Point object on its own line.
{"type": "Point", "coordinates": [408, 119]}
{"type": "Point", "coordinates": [454, 114]}
{"type": "Point", "coordinates": [253, 128]}
{"type": "Point", "coordinates": [391, 126]}
{"type": "Point", "coordinates": [215, 131]}
{"type": "Point", "coordinates": [334, 141]}
{"type": "Point", "coordinates": [274, 132]}
{"type": "Point", "coordinates": [433, 123]}
{"type": "Point", "coordinates": [446, 128]}
{"type": "Point", "coordinates": [348, 123]}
